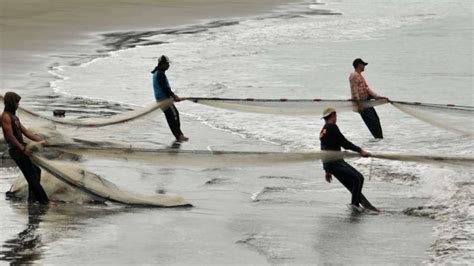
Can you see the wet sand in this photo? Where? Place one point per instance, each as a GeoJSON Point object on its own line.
{"type": "Point", "coordinates": [36, 33]}
{"type": "Point", "coordinates": [280, 214]}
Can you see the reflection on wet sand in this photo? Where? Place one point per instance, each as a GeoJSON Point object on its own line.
{"type": "Point", "coordinates": [356, 238]}
{"type": "Point", "coordinates": [175, 145]}
{"type": "Point", "coordinates": [57, 222]}
{"type": "Point", "coordinates": [26, 246]}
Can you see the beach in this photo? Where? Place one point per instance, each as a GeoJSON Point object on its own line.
{"type": "Point", "coordinates": [93, 59]}
{"type": "Point", "coordinates": [279, 214]}
{"type": "Point", "coordinates": [35, 33]}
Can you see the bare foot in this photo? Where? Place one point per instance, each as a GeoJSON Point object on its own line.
{"type": "Point", "coordinates": [53, 203]}
{"type": "Point", "coordinates": [377, 210]}
{"type": "Point", "coordinates": [373, 210]}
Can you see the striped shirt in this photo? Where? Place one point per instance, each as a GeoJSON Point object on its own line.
{"type": "Point", "coordinates": [359, 89]}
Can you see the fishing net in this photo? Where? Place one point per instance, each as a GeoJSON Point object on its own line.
{"type": "Point", "coordinates": [67, 168]}
{"type": "Point", "coordinates": [94, 122]}
{"type": "Point", "coordinates": [209, 158]}
{"type": "Point", "coordinates": [461, 160]}
{"type": "Point", "coordinates": [450, 117]}
{"type": "Point", "coordinates": [203, 158]}
{"type": "Point", "coordinates": [77, 177]}
{"type": "Point", "coordinates": [54, 188]}
{"type": "Point", "coordinates": [62, 160]}
{"type": "Point", "coordinates": [284, 106]}
{"type": "Point", "coordinates": [453, 118]}
{"type": "Point", "coordinates": [71, 172]}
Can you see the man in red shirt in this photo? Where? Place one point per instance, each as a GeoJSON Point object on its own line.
{"type": "Point", "coordinates": [13, 131]}
{"type": "Point", "coordinates": [361, 92]}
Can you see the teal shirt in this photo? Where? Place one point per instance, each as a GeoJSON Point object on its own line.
{"type": "Point", "coordinates": [161, 86]}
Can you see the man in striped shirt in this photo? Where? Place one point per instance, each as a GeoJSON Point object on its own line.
{"type": "Point", "coordinates": [361, 92]}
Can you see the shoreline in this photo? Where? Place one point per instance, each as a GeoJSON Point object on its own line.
{"type": "Point", "coordinates": [35, 36]}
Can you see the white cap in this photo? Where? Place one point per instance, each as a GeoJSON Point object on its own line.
{"type": "Point", "coordinates": [327, 112]}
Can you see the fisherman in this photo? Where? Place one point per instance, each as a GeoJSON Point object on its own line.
{"type": "Point", "coordinates": [332, 140]}
{"type": "Point", "coordinates": [163, 91]}
{"type": "Point", "coordinates": [13, 131]}
{"type": "Point", "coordinates": [361, 92]}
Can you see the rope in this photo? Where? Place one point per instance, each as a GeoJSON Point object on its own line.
{"type": "Point", "coordinates": [370, 169]}
{"type": "Point", "coordinates": [436, 105]}
{"type": "Point", "coordinates": [197, 99]}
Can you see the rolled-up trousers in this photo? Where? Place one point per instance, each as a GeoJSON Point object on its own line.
{"type": "Point", "coordinates": [351, 179]}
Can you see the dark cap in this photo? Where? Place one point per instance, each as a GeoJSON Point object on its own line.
{"type": "Point", "coordinates": [358, 61]}
{"type": "Point", "coordinates": [163, 59]}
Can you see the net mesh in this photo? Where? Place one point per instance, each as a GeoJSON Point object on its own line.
{"type": "Point", "coordinates": [207, 158]}
{"type": "Point", "coordinates": [455, 119]}
{"type": "Point", "coordinates": [92, 184]}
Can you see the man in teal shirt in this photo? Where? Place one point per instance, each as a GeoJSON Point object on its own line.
{"type": "Point", "coordinates": [163, 91]}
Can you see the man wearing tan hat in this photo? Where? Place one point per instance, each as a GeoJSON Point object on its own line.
{"type": "Point", "coordinates": [360, 91]}
{"type": "Point", "coordinates": [332, 140]}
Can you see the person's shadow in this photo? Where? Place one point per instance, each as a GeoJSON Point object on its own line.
{"type": "Point", "coordinates": [175, 145]}
{"type": "Point", "coordinates": [26, 247]}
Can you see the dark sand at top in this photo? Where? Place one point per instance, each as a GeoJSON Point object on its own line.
{"type": "Point", "coordinates": [34, 33]}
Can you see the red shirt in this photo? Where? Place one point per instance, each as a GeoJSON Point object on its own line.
{"type": "Point", "coordinates": [359, 89]}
